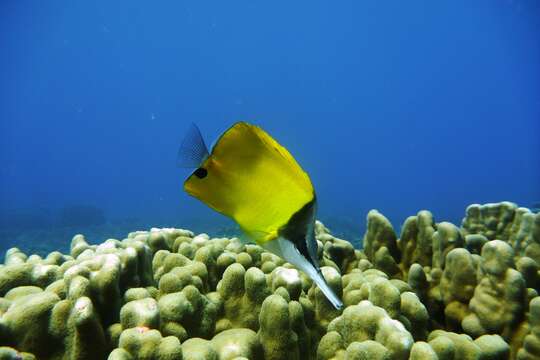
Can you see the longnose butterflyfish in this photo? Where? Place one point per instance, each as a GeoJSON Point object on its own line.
{"type": "Point", "coordinates": [249, 177]}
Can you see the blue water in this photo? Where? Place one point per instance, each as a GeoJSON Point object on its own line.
{"type": "Point", "coordinates": [393, 105]}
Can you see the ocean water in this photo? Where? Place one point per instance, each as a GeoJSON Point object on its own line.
{"type": "Point", "coordinates": [396, 106]}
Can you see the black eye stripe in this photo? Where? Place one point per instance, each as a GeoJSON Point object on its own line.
{"type": "Point", "coordinates": [201, 173]}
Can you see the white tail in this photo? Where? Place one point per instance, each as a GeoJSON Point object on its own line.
{"type": "Point", "coordinates": [286, 249]}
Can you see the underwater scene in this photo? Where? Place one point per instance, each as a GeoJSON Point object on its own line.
{"type": "Point", "coordinates": [319, 180]}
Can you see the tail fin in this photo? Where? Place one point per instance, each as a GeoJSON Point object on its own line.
{"type": "Point", "coordinates": [193, 150]}
{"type": "Point", "coordinates": [290, 253]}
{"type": "Point", "coordinates": [327, 291]}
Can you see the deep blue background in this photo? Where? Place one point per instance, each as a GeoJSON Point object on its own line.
{"type": "Point", "coordinates": [394, 105]}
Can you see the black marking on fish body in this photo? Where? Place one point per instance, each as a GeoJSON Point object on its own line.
{"type": "Point", "coordinates": [201, 173]}
{"type": "Point", "coordinates": [296, 231]}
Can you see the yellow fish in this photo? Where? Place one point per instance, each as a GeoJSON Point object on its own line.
{"type": "Point", "coordinates": [249, 177]}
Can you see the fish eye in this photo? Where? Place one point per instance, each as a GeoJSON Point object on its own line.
{"type": "Point", "coordinates": [201, 173]}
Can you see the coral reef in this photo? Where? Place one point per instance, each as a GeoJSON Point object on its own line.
{"type": "Point", "coordinates": [434, 291]}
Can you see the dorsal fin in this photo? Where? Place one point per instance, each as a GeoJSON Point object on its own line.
{"type": "Point", "coordinates": [193, 150]}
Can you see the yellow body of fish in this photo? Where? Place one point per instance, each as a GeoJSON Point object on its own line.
{"type": "Point", "coordinates": [252, 179]}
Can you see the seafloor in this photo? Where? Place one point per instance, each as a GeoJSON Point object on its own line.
{"type": "Point", "coordinates": [435, 291]}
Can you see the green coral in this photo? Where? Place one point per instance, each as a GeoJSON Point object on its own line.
{"type": "Point", "coordinates": [242, 293]}
{"type": "Point", "coordinates": [275, 333]}
{"type": "Point", "coordinates": [415, 241]}
{"type": "Point", "coordinates": [531, 344]}
{"type": "Point", "coordinates": [362, 322]}
{"type": "Point", "coordinates": [144, 343]}
{"type": "Point", "coordinates": [498, 303]}
{"type": "Point", "coordinates": [436, 291]}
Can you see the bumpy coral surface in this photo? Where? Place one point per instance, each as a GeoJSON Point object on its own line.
{"type": "Point", "coordinates": [435, 291]}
